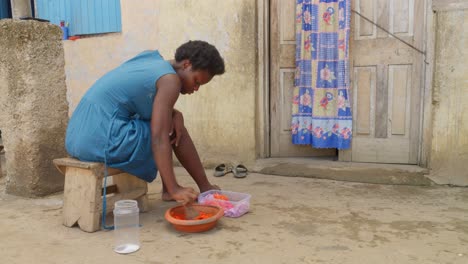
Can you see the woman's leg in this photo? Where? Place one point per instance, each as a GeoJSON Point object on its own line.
{"type": "Point", "coordinates": [187, 155]}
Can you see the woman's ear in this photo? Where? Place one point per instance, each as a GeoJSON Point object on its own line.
{"type": "Point", "coordinates": [186, 64]}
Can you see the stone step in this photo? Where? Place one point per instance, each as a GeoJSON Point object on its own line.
{"type": "Point", "coordinates": [396, 174]}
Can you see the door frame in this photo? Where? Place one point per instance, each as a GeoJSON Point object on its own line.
{"type": "Point", "coordinates": [262, 122]}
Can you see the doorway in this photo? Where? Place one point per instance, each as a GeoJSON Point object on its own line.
{"type": "Point", "coordinates": [387, 77]}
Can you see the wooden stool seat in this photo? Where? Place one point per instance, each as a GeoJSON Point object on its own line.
{"type": "Point", "coordinates": [82, 196]}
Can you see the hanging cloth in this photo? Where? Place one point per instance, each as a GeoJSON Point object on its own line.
{"type": "Point", "coordinates": [321, 114]}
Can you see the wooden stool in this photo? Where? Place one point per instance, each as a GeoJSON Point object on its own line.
{"type": "Point", "coordinates": [82, 196]}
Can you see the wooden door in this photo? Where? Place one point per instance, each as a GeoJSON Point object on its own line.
{"type": "Point", "coordinates": [282, 67]}
{"type": "Point", "coordinates": [387, 78]}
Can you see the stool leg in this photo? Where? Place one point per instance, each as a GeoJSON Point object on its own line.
{"type": "Point", "coordinates": [82, 199]}
{"type": "Point", "coordinates": [143, 203]}
{"type": "Point", "coordinates": [126, 183]}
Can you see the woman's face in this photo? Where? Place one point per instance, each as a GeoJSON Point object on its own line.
{"type": "Point", "coordinates": [192, 80]}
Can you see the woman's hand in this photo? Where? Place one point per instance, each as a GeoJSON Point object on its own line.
{"type": "Point", "coordinates": [178, 128]}
{"type": "Point", "coordinates": [184, 195]}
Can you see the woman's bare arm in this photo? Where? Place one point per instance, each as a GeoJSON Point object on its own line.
{"type": "Point", "coordinates": [168, 90]}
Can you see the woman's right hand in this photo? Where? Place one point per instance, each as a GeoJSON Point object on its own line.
{"type": "Point", "coordinates": [184, 195]}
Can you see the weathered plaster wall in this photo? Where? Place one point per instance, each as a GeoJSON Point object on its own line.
{"type": "Point", "coordinates": [89, 58]}
{"type": "Point", "coordinates": [220, 117]}
{"type": "Point", "coordinates": [449, 156]}
{"type": "Point", "coordinates": [33, 114]}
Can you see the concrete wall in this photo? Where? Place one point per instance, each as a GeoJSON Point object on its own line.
{"type": "Point", "coordinates": [449, 155]}
{"type": "Point", "coordinates": [33, 115]}
{"type": "Point", "coordinates": [220, 117]}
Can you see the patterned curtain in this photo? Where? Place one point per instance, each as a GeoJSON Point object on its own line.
{"type": "Point", "coordinates": [321, 109]}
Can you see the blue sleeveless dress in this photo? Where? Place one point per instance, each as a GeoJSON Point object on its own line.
{"type": "Point", "coordinates": [111, 123]}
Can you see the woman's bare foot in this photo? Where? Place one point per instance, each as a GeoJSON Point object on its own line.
{"type": "Point", "coordinates": [165, 196]}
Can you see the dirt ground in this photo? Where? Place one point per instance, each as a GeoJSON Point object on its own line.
{"type": "Point", "coordinates": [292, 220]}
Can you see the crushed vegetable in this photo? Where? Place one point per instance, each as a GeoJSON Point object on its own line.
{"type": "Point", "coordinates": [220, 197]}
{"type": "Point", "coordinates": [200, 216]}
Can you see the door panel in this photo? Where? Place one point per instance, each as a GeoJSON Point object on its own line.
{"type": "Point", "coordinates": [282, 68]}
{"type": "Point", "coordinates": [387, 80]}
{"type": "Point", "coordinates": [365, 97]}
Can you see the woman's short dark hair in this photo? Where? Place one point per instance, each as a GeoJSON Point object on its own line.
{"type": "Point", "coordinates": [202, 55]}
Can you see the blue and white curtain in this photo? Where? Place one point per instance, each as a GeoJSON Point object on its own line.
{"type": "Point", "coordinates": [321, 108]}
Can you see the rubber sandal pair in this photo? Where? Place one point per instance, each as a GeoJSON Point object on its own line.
{"type": "Point", "coordinates": [239, 171]}
{"type": "Point", "coordinates": [222, 169]}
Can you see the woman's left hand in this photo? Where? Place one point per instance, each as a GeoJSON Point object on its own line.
{"type": "Point", "coordinates": [178, 127]}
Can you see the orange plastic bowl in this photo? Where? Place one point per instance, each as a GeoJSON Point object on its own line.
{"type": "Point", "coordinates": [194, 226]}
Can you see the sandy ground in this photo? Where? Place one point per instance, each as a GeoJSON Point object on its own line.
{"type": "Point", "coordinates": [292, 220]}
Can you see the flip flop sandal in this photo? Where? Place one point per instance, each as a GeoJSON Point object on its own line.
{"type": "Point", "coordinates": [222, 170]}
{"type": "Point", "coordinates": [240, 171]}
